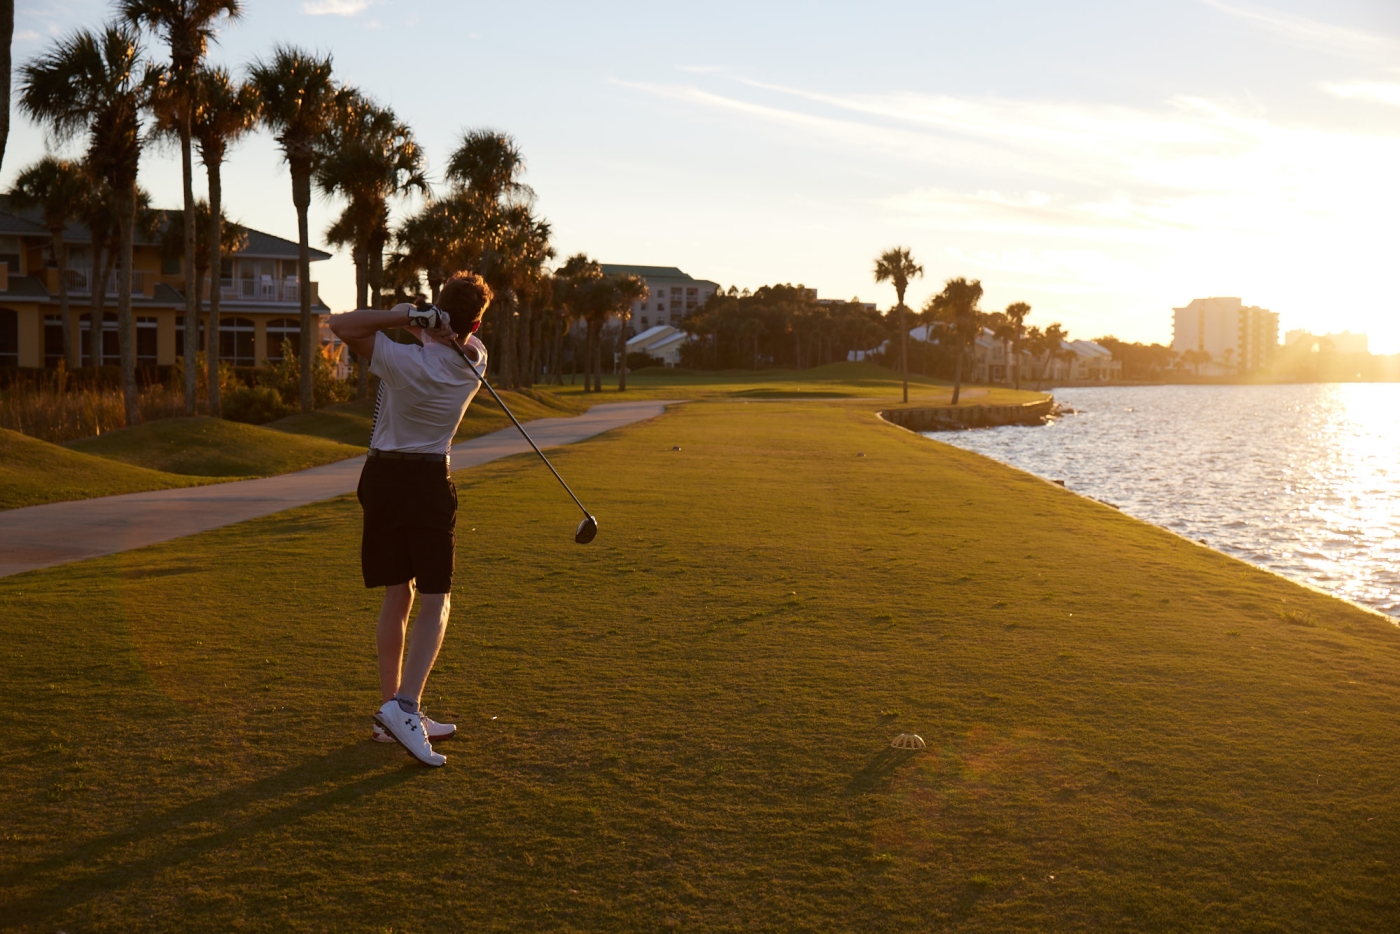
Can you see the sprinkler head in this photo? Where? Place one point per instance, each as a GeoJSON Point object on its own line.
{"type": "Point", "coordinates": [587, 529]}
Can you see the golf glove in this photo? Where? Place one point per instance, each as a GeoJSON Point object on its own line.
{"type": "Point", "coordinates": [430, 318]}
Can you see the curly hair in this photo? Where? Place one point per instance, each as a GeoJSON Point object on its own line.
{"type": "Point", "coordinates": [465, 297]}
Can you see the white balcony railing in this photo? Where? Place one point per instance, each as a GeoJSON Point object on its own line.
{"type": "Point", "coordinates": [265, 289]}
{"type": "Point", "coordinates": [80, 282]}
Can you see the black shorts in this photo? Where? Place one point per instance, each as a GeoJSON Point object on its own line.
{"type": "Point", "coordinates": [410, 524]}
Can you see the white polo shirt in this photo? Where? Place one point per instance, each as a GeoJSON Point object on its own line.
{"type": "Point", "coordinates": [423, 394]}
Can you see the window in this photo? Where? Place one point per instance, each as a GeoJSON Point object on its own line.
{"type": "Point", "coordinates": [644, 323]}
{"type": "Point", "coordinates": [660, 306]}
{"type": "Point", "coordinates": [279, 330]}
{"type": "Point", "coordinates": [9, 337]}
{"type": "Point", "coordinates": [111, 342]}
{"type": "Point", "coordinates": [170, 265]}
{"type": "Point", "coordinates": [180, 336]}
{"type": "Point", "coordinates": [236, 341]}
{"type": "Point", "coordinates": [53, 340]}
{"type": "Point", "coordinates": [146, 341]}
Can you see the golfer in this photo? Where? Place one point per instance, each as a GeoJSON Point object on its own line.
{"type": "Point", "coordinates": [406, 489]}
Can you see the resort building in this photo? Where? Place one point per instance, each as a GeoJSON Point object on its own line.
{"type": "Point", "coordinates": [1238, 338]}
{"type": "Point", "coordinates": [671, 294]}
{"type": "Point", "coordinates": [258, 288]}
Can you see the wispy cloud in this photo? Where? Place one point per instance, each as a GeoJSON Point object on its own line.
{"type": "Point", "coordinates": [1342, 40]}
{"type": "Point", "coordinates": [334, 7]}
{"type": "Point", "coordinates": [1071, 197]}
{"type": "Point", "coordinates": [1377, 92]}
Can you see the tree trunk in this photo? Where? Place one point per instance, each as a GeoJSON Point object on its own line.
{"type": "Point", "coordinates": [525, 343]}
{"type": "Point", "coordinates": [101, 266]}
{"type": "Point", "coordinates": [191, 282]}
{"type": "Point", "coordinates": [126, 327]}
{"type": "Point", "coordinates": [904, 352]}
{"type": "Point", "coordinates": [362, 300]}
{"type": "Point", "coordinates": [216, 271]}
{"type": "Point", "coordinates": [957, 376]}
{"type": "Point", "coordinates": [310, 339]}
{"type": "Point", "coordinates": [622, 368]}
{"type": "Point", "coordinates": [72, 357]}
{"type": "Point", "coordinates": [7, 34]}
{"type": "Point", "coordinates": [598, 359]}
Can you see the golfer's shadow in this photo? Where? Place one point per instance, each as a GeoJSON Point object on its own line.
{"type": "Point", "coordinates": [263, 805]}
{"type": "Point", "coordinates": [879, 770]}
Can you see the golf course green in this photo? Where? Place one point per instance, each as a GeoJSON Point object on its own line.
{"type": "Point", "coordinates": [687, 723]}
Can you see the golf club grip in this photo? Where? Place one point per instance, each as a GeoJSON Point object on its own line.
{"type": "Point", "coordinates": [511, 415]}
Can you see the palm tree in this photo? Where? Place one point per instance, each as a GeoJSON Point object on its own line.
{"type": "Point", "coordinates": [298, 104]}
{"type": "Point", "coordinates": [514, 266]}
{"type": "Point", "coordinates": [629, 289]}
{"type": "Point", "coordinates": [60, 189]}
{"type": "Point", "coordinates": [897, 267]}
{"type": "Point", "coordinates": [579, 288]}
{"type": "Point", "coordinates": [1012, 329]}
{"type": "Point", "coordinates": [370, 159]}
{"type": "Point", "coordinates": [232, 238]}
{"type": "Point", "coordinates": [487, 165]}
{"type": "Point", "coordinates": [188, 26]}
{"type": "Point", "coordinates": [1051, 340]}
{"type": "Point", "coordinates": [956, 307]}
{"type": "Point", "coordinates": [221, 112]}
{"type": "Point", "coordinates": [425, 242]}
{"type": "Point", "coordinates": [97, 85]}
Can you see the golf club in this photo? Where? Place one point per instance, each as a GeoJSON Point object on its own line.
{"type": "Point", "coordinates": [588, 528]}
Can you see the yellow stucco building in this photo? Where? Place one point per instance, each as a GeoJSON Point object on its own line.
{"type": "Point", "coordinates": [259, 298]}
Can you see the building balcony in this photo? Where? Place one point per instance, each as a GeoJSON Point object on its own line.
{"type": "Point", "coordinates": [263, 290]}
{"type": "Point", "coordinates": [79, 282]}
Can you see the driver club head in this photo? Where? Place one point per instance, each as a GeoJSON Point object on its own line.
{"type": "Point", "coordinates": [587, 529]}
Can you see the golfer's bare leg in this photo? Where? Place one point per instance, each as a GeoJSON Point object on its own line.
{"type": "Point", "coordinates": [393, 621]}
{"type": "Point", "coordinates": [424, 642]}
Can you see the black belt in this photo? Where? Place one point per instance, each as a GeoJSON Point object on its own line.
{"type": "Point", "coordinates": [408, 456]}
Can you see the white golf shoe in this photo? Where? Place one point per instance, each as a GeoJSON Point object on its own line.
{"type": "Point", "coordinates": [437, 732]}
{"type": "Point", "coordinates": [407, 730]}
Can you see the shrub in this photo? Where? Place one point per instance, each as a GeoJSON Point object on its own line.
{"type": "Point", "coordinates": [255, 405]}
{"type": "Point", "coordinates": [638, 359]}
{"type": "Point", "coordinates": [285, 378]}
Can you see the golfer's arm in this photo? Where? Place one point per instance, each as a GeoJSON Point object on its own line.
{"type": "Point", "coordinates": [357, 328]}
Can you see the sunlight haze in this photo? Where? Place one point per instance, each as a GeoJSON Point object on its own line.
{"type": "Point", "coordinates": [1102, 161]}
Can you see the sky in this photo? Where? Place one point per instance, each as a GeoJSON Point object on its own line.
{"type": "Point", "coordinates": [1103, 160]}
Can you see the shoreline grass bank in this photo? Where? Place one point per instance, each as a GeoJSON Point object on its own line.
{"type": "Point", "coordinates": [687, 723]}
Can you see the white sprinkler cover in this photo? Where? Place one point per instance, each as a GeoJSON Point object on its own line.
{"type": "Point", "coordinates": [908, 741]}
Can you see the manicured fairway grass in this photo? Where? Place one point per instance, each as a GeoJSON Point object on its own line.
{"type": "Point", "coordinates": [833, 381]}
{"type": "Point", "coordinates": [33, 472]}
{"type": "Point", "coordinates": [686, 724]}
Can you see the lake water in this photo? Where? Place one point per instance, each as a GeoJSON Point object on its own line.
{"type": "Point", "coordinates": [1302, 480]}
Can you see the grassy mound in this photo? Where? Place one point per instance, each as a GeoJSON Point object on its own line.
{"type": "Point", "coordinates": [688, 722]}
{"type": "Point", "coordinates": [211, 447]}
{"type": "Point", "coordinates": [34, 472]}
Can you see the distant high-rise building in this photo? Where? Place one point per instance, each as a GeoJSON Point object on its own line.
{"type": "Point", "coordinates": [1239, 338]}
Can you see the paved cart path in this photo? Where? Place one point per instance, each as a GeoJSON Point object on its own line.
{"type": "Point", "coordinates": [57, 533]}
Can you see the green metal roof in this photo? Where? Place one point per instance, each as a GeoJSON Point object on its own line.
{"type": "Point", "coordinates": [646, 272]}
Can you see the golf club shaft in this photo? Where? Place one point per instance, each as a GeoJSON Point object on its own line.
{"type": "Point", "coordinates": [501, 402]}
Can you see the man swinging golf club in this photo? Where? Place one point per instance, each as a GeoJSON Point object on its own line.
{"type": "Point", "coordinates": [406, 489]}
